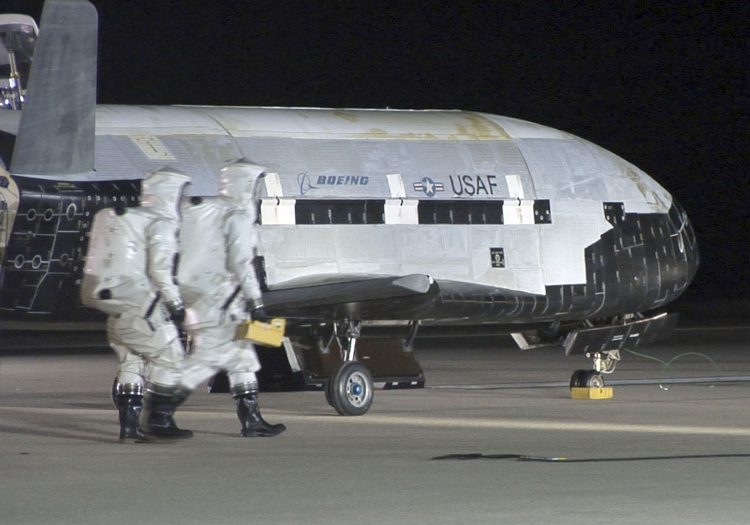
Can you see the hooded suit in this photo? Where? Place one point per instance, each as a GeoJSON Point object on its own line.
{"type": "Point", "coordinates": [217, 278]}
{"type": "Point", "coordinates": [142, 335]}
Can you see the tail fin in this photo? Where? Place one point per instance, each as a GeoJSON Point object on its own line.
{"type": "Point", "coordinates": [56, 133]}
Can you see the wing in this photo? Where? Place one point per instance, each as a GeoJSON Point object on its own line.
{"type": "Point", "coordinates": [378, 297]}
{"type": "Point", "coordinates": [352, 297]}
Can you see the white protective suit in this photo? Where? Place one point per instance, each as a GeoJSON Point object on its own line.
{"type": "Point", "coordinates": [143, 336]}
{"type": "Point", "coordinates": [217, 277]}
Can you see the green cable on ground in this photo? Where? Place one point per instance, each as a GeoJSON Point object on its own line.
{"type": "Point", "coordinates": [666, 365]}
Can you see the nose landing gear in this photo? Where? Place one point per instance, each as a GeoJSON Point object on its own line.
{"type": "Point", "coordinates": [604, 363]}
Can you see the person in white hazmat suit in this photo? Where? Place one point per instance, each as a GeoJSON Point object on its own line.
{"type": "Point", "coordinates": [129, 274]}
{"type": "Point", "coordinates": [219, 284]}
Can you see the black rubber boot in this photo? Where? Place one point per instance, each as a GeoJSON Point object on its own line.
{"type": "Point", "coordinates": [158, 414]}
{"type": "Point", "coordinates": [129, 407]}
{"type": "Point", "coordinates": [253, 424]}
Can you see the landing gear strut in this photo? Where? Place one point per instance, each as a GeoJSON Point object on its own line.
{"type": "Point", "coordinates": [349, 389]}
{"type": "Point", "coordinates": [604, 363]}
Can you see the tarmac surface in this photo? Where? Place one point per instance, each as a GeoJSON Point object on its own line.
{"type": "Point", "coordinates": [515, 447]}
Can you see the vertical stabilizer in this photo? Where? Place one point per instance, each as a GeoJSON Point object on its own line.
{"type": "Point", "coordinates": [56, 133]}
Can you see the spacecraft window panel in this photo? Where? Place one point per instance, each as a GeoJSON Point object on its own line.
{"type": "Point", "coordinates": [460, 212]}
{"type": "Point", "coordinates": [340, 211]}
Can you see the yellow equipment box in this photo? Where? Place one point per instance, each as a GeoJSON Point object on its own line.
{"type": "Point", "coordinates": [266, 334]}
{"type": "Point", "coordinates": [591, 393]}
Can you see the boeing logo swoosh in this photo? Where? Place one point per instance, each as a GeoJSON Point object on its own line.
{"type": "Point", "coordinates": [304, 183]}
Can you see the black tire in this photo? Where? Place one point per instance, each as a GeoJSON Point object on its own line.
{"type": "Point", "coordinates": [328, 393]}
{"type": "Point", "coordinates": [576, 380]}
{"type": "Point", "coordinates": [586, 379]}
{"type": "Point", "coordinates": [351, 389]}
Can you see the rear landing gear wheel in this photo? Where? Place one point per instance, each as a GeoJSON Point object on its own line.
{"type": "Point", "coordinates": [586, 379]}
{"type": "Point", "coordinates": [350, 390]}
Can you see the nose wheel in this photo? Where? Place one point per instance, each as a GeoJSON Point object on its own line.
{"type": "Point", "coordinates": [604, 363]}
{"type": "Point", "coordinates": [350, 390]}
{"type": "Point", "coordinates": [586, 379]}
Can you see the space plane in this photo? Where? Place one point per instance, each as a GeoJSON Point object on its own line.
{"type": "Point", "coordinates": [375, 225]}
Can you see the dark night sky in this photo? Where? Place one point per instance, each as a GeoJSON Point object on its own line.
{"type": "Point", "coordinates": [664, 86]}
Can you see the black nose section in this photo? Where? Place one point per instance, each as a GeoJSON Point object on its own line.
{"type": "Point", "coordinates": [684, 248]}
{"type": "Point", "coordinates": [645, 261]}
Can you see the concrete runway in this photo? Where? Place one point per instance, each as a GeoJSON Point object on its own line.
{"type": "Point", "coordinates": [650, 455]}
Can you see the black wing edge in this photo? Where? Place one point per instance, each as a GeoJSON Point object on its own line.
{"type": "Point", "coordinates": [352, 297]}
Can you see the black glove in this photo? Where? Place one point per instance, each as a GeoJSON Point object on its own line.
{"type": "Point", "coordinates": [258, 312]}
{"type": "Point", "coordinates": [176, 313]}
